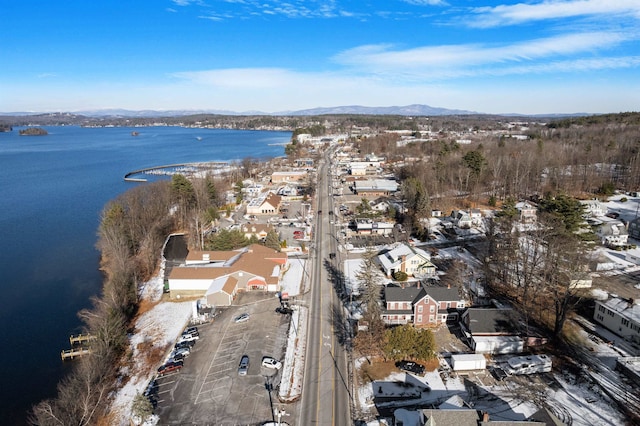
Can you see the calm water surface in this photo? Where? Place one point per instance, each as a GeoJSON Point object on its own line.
{"type": "Point", "coordinates": [53, 189]}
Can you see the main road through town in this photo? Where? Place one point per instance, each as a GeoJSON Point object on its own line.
{"type": "Point", "coordinates": [326, 392]}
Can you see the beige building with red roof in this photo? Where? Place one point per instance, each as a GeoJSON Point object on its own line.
{"type": "Point", "coordinates": [253, 268]}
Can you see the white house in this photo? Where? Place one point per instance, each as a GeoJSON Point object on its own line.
{"type": "Point", "coordinates": [612, 233]}
{"type": "Point", "coordinates": [371, 227]}
{"type": "Point", "coordinates": [462, 219]}
{"type": "Point", "coordinates": [593, 208]}
{"type": "Point", "coordinates": [621, 316]}
{"type": "Point", "coordinates": [410, 260]}
{"type": "Point", "coordinates": [527, 212]}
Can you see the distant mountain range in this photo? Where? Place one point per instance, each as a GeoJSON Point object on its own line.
{"type": "Point", "coordinates": [407, 110]}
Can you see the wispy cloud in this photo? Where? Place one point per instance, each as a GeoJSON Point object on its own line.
{"type": "Point", "coordinates": [47, 75]}
{"type": "Point", "coordinates": [386, 58]}
{"type": "Point", "coordinates": [527, 12]}
{"type": "Point", "coordinates": [187, 2]}
{"type": "Point", "coordinates": [426, 2]}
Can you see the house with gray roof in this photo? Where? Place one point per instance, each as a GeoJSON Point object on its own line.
{"type": "Point", "coordinates": [421, 305]}
{"type": "Point", "coordinates": [621, 316]}
{"type": "Point", "coordinates": [612, 233]}
{"type": "Point", "coordinates": [492, 330]}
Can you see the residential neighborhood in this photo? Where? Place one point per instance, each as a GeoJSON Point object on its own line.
{"type": "Point", "coordinates": [427, 306]}
{"type": "Point", "coordinates": [435, 284]}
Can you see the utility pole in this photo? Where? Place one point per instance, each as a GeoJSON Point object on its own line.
{"type": "Point", "coordinates": [269, 387]}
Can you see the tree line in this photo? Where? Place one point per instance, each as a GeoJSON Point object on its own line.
{"type": "Point", "coordinates": [133, 228]}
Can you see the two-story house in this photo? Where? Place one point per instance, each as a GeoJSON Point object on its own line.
{"type": "Point", "coordinates": [527, 212]}
{"type": "Point", "coordinates": [622, 316]}
{"type": "Point", "coordinates": [420, 305]}
{"type": "Point", "coordinates": [462, 219]}
{"type": "Point", "coordinates": [612, 233]}
{"type": "Point", "coordinates": [411, 260]}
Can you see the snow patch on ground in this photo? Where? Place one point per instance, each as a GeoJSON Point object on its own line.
{"type": "Point", "coordinates": [158, 327]}
{"type": "Point", "coordinates": [293, 365]}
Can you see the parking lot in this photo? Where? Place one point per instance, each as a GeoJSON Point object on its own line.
{"type": "Point", "coordinates": [208, 389]}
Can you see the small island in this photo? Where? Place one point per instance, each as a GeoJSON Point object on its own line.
{"type": "Point", "coordinates": [5, 128]}
{"type": "Point", "coordinates": [33, 131]}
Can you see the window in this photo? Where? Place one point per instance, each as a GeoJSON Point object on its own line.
{"type": "Point", "coordinates": [432, 308]}
{"type": "Point", "coordinates": [419, 319]}
{"type": "Point", "coordinates": [431, 318]}
{"type": "Point", "coordinates": [420, 308]}
{"type": "Point", "coordinates": [448, 305]}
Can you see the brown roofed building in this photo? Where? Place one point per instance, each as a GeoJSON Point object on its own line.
{"type": "Point", "coordinates": [253, 268]}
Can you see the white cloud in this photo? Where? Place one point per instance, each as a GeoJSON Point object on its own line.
{"type": "Point", "coordinates": [426, 2]}
{"type": "Point", "coordinates": [460, 59]}
{"type": "Point", "coordinates": [527, 12]}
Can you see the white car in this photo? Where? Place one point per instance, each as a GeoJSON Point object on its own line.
{"type": "Point", "coordinates": [270, 362]}
{"type": "Point", "coordinates": [181, 351]}
{"type": "Point", "coordinates": [188, 338]}
{"type": "Point", "coordinates": [242, 318]}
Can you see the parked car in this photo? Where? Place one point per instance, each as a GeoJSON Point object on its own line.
{"type": "Point", "coordinates": [185, 344]}
{"type": "Point", "coordinates": [411, 367]}
{"type": "Point", "coordinates": [499, 373]}
{"type": "Point", "coordinates": [188, 338]}
{"type": "Point", "coordinates": [175, 357]}
{"type": "Point", "coordinates": [191, 330]}
{"type": "Point", "coordinates": [170, 367]}
{"type": "Point", "coordinates": [243, 367]}
{"type": "Point", "coordinates": [284, 310]}
{"type": "Point", "coordinates": [184, 351]}
{"type": "Point", "coordinates": [242, 318]}
{"type": "Point", "coordinates": [270, 362]}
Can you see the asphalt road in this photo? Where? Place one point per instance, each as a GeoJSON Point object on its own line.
{"type": "Point", "coordinates": [325, 396]}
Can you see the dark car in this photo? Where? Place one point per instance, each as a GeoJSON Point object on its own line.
{"type": "Point", "coordinates": [191, 330]}
{"type": "Point", "coordinates": [411, 367]}
{"type": "Point", "coordinates": [185, 344]}
{"type": "Point", "coordinates": [243, 367]}
{"type": "Point", "coordinates": [499, 373]}
{"type": "Point", "coordinates": [170, 367]}
{"type": "Point", "coordinates": [284, 310]}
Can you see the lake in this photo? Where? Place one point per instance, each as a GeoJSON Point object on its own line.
{"type": "Point", "coordinates": [53, 190]}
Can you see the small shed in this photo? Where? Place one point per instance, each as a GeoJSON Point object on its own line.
{"type": "Point", "coordinates": [465, 362]}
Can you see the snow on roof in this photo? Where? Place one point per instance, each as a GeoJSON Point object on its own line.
{"type": "Point", "coordinates": [628, 308]}
{"type": "Point", "coordinates": [292, 279]}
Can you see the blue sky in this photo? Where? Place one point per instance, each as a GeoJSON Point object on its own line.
{"type": "Point", "coordinates": [269, 55]}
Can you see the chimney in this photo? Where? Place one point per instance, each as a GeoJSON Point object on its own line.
{"type": "Point", "coordinates": [485, 417]}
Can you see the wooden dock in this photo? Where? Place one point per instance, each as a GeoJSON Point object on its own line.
{"type": "Point", "coordinates": [80, 339]}
{"type": "Point", "coordinates": [80, 345]}
{"type": "Point", "coordinates": [73, 353]}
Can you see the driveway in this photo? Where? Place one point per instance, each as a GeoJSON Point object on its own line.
{"type": "Point", "coordinates": [208, 390]}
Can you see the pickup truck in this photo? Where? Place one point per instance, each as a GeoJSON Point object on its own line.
{"type": "Point", "coordinates": [170, 367]}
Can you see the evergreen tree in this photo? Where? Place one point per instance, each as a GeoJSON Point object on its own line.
{"type": "Point", "coordinates": [408, 342]}
{"type": "Point", "coordinates": [272, 240]}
